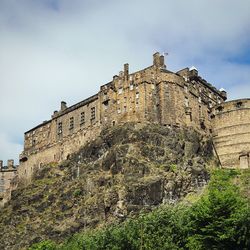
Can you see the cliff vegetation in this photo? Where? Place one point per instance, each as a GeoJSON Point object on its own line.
{"type": "Point", "coordinates": [127, 169]}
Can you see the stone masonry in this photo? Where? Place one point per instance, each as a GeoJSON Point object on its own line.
{"type": "Point", "coordinates": [231, 132]}
{"type": "Point", "coordinates": [7, 180]}
{"type": "Point", "coordinates": [151, 95]}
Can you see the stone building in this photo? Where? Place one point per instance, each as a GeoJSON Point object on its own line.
{"type": "Point", "coordinates": [231, 133]}
{"type": "Point", "coordinates": [151, 95]}
{"type": "Point", "coordinates": [7, 180]}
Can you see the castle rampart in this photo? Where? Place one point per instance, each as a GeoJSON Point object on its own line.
{"type": "Point", "coordinates": [231, 130]}
{"type": "Point", "coordinates": [154, 95]}
{"type": "Point", "coordinates": [7, 176]}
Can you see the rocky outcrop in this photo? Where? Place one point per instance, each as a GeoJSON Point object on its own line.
{"type": "Point", "coordinates": [126, 169]}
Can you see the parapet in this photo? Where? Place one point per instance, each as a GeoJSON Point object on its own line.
{"type": "Point", "coordinates": [233, 105]}
{"type": "Point", "coordinates": [10, 165]}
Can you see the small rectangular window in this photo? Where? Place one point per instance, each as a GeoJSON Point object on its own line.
{"type": "Point", "coordinates": [93, 113]}
{"type": "Point", "coordinates": [71, 123]}
{"type": "Point", "coordinates": [82, 118]}
{"type": "Point", "coordinates": [120, 90]}
{"type": "Point", "coordinates": [131, 86]}
{"type": "Point", "coordinates": [59, 128]}
{"type": "Point", "coordinates": [106, 104]}
{"type": "Point", "coordinates": [137, 95]}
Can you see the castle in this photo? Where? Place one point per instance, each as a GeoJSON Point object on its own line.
{"type": "Point", "coordinates": [151, 95]}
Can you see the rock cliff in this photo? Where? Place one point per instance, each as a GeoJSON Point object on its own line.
{"type": "Point", "coordinates": [126, 169]}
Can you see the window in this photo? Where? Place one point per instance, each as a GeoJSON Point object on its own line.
{"type": "Point", "coordinates": [93, 113]}
{"type": "Point", "coordinates": [238, 105]}
{"type": "Point", "coordinates": [71, 123]}
{"type": "Point", "coordinates": [131, 86]}
{"type": "Point", "coordinates": [137, 95]}
{"type": "Point", "coordinates": [220, 109]}
{"type": "Point", "coordinates": [106, 104]}
{"type": "Point", "coordinates": [200, 111]}
{"type": "Point", "coordinates": [82, 118]}
{"type": "Point", "coordinates": [244, 161]}
{"type": "Point", "coordinates": [125, 108]}
{"type": "Point", "coordinates": [118, 110]}
{"type": "Point", "coordinates": [120, 90]}
{"type": "Point", "coordinates": [59, 128]}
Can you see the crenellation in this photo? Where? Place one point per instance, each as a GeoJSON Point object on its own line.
{"type": "Point", "coordinates": [7, 174]}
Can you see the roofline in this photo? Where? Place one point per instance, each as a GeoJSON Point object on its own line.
{"type": "Point", "coordinates": [236, 100]}
{"type": "Point", "coordinates": [67, 110]}
{"type": "Point", "coordinates": [77, 105]}
{"type": "Point", "coordinates": [38, 126]}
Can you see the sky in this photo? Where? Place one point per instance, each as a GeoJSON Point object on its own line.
{"type": "Point", "coordinates": [54, 50]}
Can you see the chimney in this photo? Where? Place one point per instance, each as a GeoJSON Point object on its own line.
{"type": "Point", "coordinates": [1, 164]}
{"type": "Point", "coordinates": [63, 105]}
{"type": "Point", "coordinates": [126, 71]}
{"type": "Point", "coordinates": [158, 60]}
{"type": "Point", "coordinates": [162, 63]}
{"type": "Point", "coordinates": [10, 163]}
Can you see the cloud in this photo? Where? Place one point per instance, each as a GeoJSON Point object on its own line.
{"type": "Point", "coordinates": [55, 50]}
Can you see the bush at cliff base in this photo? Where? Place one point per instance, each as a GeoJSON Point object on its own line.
{"type": "Point", "coordinates": [220, 219]}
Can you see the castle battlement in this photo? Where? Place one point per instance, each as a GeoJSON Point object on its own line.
{"type": "Point", "coordinates": [7, 175]}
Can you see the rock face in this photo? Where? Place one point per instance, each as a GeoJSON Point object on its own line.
{"type": "Point", "coordinates": [126, 169]}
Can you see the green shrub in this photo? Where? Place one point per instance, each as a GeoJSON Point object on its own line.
{"type": "Point", "coordinates": [44, 245]}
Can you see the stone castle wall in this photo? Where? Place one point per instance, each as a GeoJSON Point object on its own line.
{"type": "Point", "coordinates": [7, 176]}
{"type": "Point", "coordinates": [154, 95]}
{"type": "Point", "coordinates": [231, 129]}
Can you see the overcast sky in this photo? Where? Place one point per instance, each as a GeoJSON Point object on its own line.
{"type": "Point", "coordinates": [53, 50]}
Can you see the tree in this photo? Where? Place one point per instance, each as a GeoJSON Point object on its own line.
{"type": "Point", "coordinates": [219, 219]}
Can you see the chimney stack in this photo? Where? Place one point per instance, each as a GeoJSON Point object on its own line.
{"type": "Point", "coordinates": [158, 60]}
{"type": "Point", "coordinates": [162, 62]}
{"type": "Point", "coordinates": [63, 105]}
{"type": "Point", "coordinates": [126, 71]}
{"type": "Point", "coordinates": [10, 163]}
